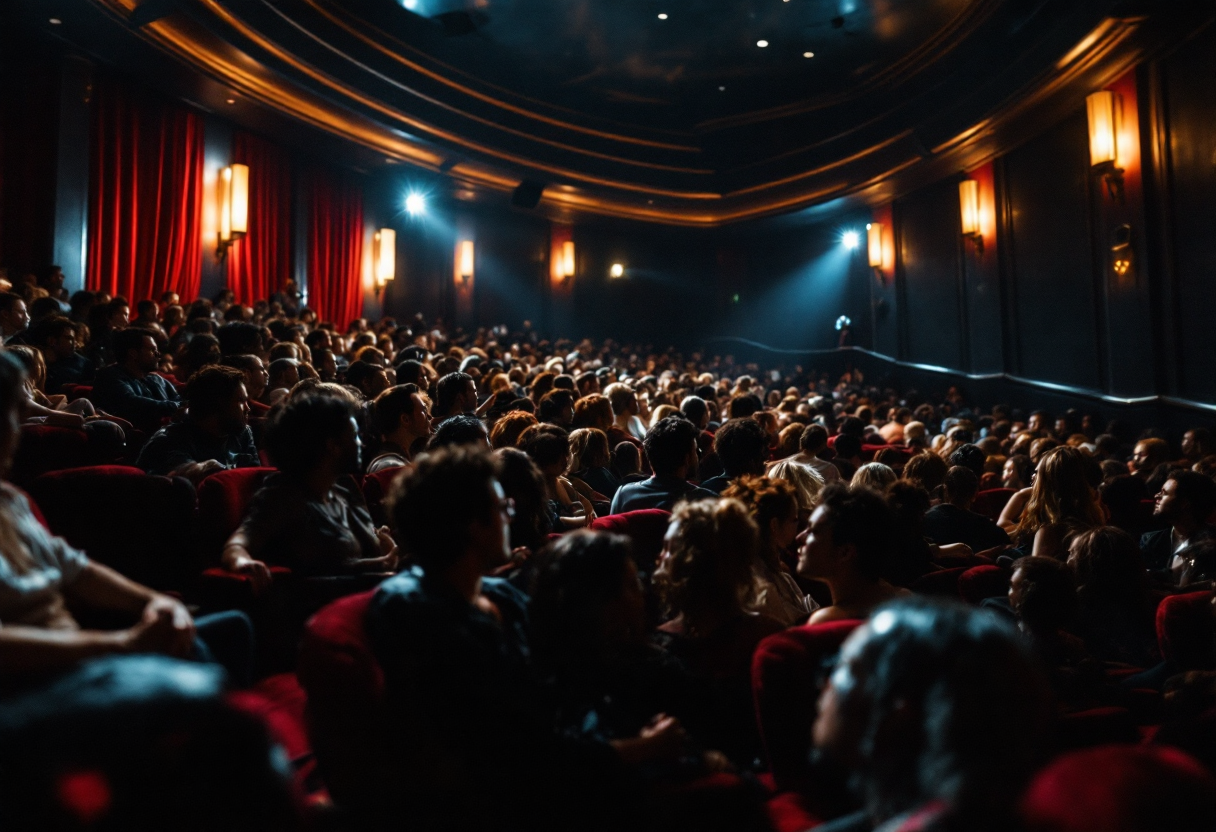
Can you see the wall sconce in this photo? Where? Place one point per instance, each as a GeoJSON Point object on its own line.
{"type": "Point", "coordinates": [874, 244]}
{"type": "Point", "coordinates": [969, 212]}
{"type": "Point", "coordinates": [1105, 111]}
{"type": "Point", "coordinates": [568, 259]}
{"type": "Point", "coordinates": [464, 258]}
{"type": "Point", "coordinates": [384, 256]}
{"type": "Point", "coordinates": [232, 192]}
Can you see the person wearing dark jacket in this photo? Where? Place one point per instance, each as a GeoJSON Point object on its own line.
{"type": "Point", "coordinates": [130, 388]}
{"type": "Point", "coordinates": [954, 522]}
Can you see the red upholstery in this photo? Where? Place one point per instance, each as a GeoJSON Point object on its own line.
{"type": "Point", "coordinates": [223, 502]}
{"type": "Point", "coordinates": [43, 449]}
{"type": "Point", "coordinates": [77, 391]}
{"type": "Point", "coordinates": [141, 525]}
{"type": "Point", "coordinates": [645, 528]}
{"type": "Point", "coordinates": [943, 583]}
{"type": "Point", "coordinates": [787, 812]}
{"type": "Point", "coordinates": [992, 502]}
{"type": "Point", "coordinates": [785, 670]}
{"type": "Point", "coordinates": [982, 582]}
{"type": "Point", "coordinates": [345, 687]}
{"type": "Point", "coordinates": [1121, 789]}
{"type": "Point", "coordinates": [279, 701]}
{"type": "Point", "coordinates": [375, 491]}
{"type": "Point", "coordinates": [1184, 630]}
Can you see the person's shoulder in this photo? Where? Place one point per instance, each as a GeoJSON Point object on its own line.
{"type": "Point", "coordinates": [1154, 537]}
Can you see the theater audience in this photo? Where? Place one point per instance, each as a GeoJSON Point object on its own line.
{"type": "Point", "coordinates": [1115, 612]}
{"type": "Point", "coordinates": [130, 388]}
{"type": "Point", "coordinates": [1186, 503]}
{"type": "Point", "coordinates": [55, 337]}
{"type": "Point", "coordinates": [953, 521]}
{"type": "Point", "coordinates": [1043, 520]}
{"type": "Point", "coordinates": [455, 393]}
{"type": "Point", "coordinates": [402, 418]}
{"type": "Point", "coordinates": [814, 441]}
{"type": "Point", "coordinates": [741, 446]}
{"type": "Point", "coordinates": [671, 447]}
{"type": "Point", "coordinates": [874, 475]}
{"type": "Point", "coordinates": [14, 317]}
{"type": "Point", "coordinates": [283, 374]}
{"type": "Point", "coordinates": [590, 461]}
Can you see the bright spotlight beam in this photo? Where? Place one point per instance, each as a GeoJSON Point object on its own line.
{"type": "Point", "coordinates": [851, 239]}
{"type": "Point", "coordinates": [415, 205]}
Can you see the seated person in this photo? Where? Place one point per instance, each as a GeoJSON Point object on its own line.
{"type": "Point", "coordinates": [368, 379]}
{"type": "Point", "coordinates": [953, 521]}
{"type": "Point", "coordinates": [671, 447]}
{"type": "Point", "coordinates": [283, 375]}
{"type": "Point", "coordinates": [402, 417]}
{"type": "Point", "coordinates": [850, 535]}
{"type": "Point", "coordinates": [474, 747]}
{"type": "Point", "coordinates": [215, 434]}
{"type": "Point", "coordinates": [256, 380]}
{"type": "Point", "coordinates": [1186, 502]}
{"type": "Point", "coordinates": [590, 461]}
{"type": "Point", "coordinates": [41, 576]}
{"type": "Point", "coordinates": [706, 581]}
{"type": "Point", "coordinates": [742, 448]}
{"type": "Point", "coordinates": [936, 715]}
{"type": "Point", "coordinates": [627, 462]}
{"type": "Point", "coordinates": [549, 447]}
{"type": "Point", "coordinates": [1115, 610]}
{"type": "Point", "coordinates": [131, 389]}
{"type": "Point", "coordinates": [814, 441]}
{"type": "Point", "coordinates": [55, 411]}
{"type": "Point", "coordinates": [55, 338]}
{"type": "Point", "coordinates": [304, 518]}
{"type": "Point", "coordinates": [461, 429]}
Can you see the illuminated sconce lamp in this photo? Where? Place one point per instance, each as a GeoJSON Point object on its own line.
{"type": "Point", "coordinates": [874, 244]}
{"type": "Point", "coordinates": [969, 212]}
{"type": "Point", "coordinates": [384, 256]}
{"type": "Point", "coordinates": [1105, 111]}
{"type": "Point", "coordinates": [464, 260]}
{"type": "Point", "coordinates": [232, 193]}
{"type": "Point", "coordinates": [567, 259]}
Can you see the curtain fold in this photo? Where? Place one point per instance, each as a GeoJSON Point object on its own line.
{"type": "Point", "coordinates": [259, 264]}
{"type": "Point", "coordinates": [145, 195]}
{"type": "Point", "coordinates": [335, 246]}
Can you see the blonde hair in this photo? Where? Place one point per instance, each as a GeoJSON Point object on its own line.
{"type": "Point", "coordinates": [807, 482]}
{"type": "Point", "coordinates": [662, 412]}
{"type": "Point", "coordinates": [585, 441]}
{"type": "Point", "coordinates": [1061, 494]}
{"type": "Point", "coordinates": [506, 431]}
{"type": "Point", "coordinates": [874, 475]}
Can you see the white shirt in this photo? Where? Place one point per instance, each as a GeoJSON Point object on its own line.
{"type": "Point", "coordinates": [35, 596]}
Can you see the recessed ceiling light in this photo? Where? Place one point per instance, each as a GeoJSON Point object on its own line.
{"type": "Point", "coordinates": [721, 89]}
{"type": "Point", "coordinates": [762, 43]}
{"type": "Point", "coordinates": [231, 100]}
{"type": "Point", "coordinates": [808, 54]}
{"type": "Point", "coordinates": [662, 15]}
{"type": "Point", "coordinates": [55, 21]}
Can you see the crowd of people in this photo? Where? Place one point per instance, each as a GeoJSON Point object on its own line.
{"type": "Point", "coordinates": [541, 673]}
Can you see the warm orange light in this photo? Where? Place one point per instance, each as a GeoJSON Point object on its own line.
{"type": "Point", "coordinates": [232, 195]}
{"type": "Point", "coordinates": [1104, 108]}
{"type": "Point", "coordinates": [465, 259]}
{"type": "Point", "coordinates": [969, 206]}
{"type": "Point", "coordinates": [384, 255]}
{"type": "Point", "coordinates": [874, 244]}
{"type": "Point", "coordinates": [568, 258]}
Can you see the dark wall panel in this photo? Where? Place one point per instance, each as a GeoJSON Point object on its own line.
{"type": "Point", "coordinates": [935, 323]}
{"type": "Point", "coordinates": [1052, 257]}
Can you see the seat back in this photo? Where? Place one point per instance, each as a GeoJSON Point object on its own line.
{"type": "Point", "coordinates": [43, 449]}
{"type": "Point", "coordinates": [376, 488]}
{"type": "Point", "coordinates": [943, 583]}
{"type": "Point", "coordinates": [1184, 631]}
{"type": "Point", "coordinates": [980, 582]}
{"type": "Point", "coordinates": [142, 525]}
{"type": "Point", "coordinates": [645, 528]}
{"type": "Point", "coordinates": [786, 673]}
{"type": "Point", "coordinates": [223, 502]}
{"type": "Point", "coordinates": [992, 502]}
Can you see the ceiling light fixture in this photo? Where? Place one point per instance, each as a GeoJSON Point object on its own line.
{"type": "Point", "coordinates": [662, 15]}
{"type": "Point", "coordinates": [55, 21]}
{"type": "Point", "coordinates": [231, 100]}
{"type": "Point", "coordinates": [762, 43]}
{"type": "Point", "coordinates": [808, 54]}
{"type": "Point", "coordinates": [415, 205]}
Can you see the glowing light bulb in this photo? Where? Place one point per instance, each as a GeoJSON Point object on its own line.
{"type": "Point", "coordinates": [851, 239]}
{"type": "Point", "coordinates": [415, 205]}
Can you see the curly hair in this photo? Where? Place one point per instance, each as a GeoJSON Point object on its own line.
{"type": "Point", "coordinates": [928, 469]}
{"type": "Point", "coordinates": [507, 429]}
{"type": "Point", "coordinates": [707, 563]}
{"type": "Point", "coordinates": [1061, 494]}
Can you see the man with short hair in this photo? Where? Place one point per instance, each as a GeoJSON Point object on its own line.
{"type": "Point", "coordinates": [368, 378]}
{"type": "Point", "coordinates": [402, 417]}
{"type": "Point", "coordinates": [954, 522]}
{"type": "Point", "coordinates": [741, 446]}
{"type": "Point", "coordinates": [1147, 455]}
{"type": "Point", "coordinates": [1186, 502]}
{"type": "Point", "coordinates": [242, 338]}
{"type": "Point", "coordinates": [55, 338]}
{"type": "Point", "coordinates": [130, 388]}
{"type": "Point", "coordinates": [215, 434]}
{"type": "Point", "coordinates": [625, 410]}
{"type": "Point", "coordinates": [455, 393]}
{"type": "Point", "coordinates": [256, 379]}
{"type": "Point", "coordinates": [671, 447]}
{"type": "Point", "coordinates": [14, 317]}
{"type": "Point", "coordinates": [813, 441]}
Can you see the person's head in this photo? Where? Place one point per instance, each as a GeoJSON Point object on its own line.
{"type": "Point", "coordinates": [523, 483]}
{"type": "Point", "coordinates": [507, 430]}
{"type": "Point", "coordinates": [402, 411]}
{"type": "Point", "coordinates": [696, 411]}
{"type": "Point", "coordinates": [589, 449]}
{"type": "Point", "coordinates": [549, 447]}
{"type": "Point", "coordinates": [587, 604]}
{"type": "Point", "coordinates": [412, 371]}
{"type": "Point", "coordinates": [1147, 455]}
{"type": "Point", "coordinates": [455, 393]}
{"type": "Point", "coordinates": [14, 316]}
{"type": "Point", "coordinates": [449, 506]}
{"type": "Point", "coordinates": [623, 400]}
{"type": "Point", "coordinates": [807, 482]}
{"type": "Point", "coordinates": [55, 335]}
{"type": "Point", "coordinates": [743, 406]}
{"type": "Point", "coordinates": [136, 350]}
{"type": "Point", "coordinates": [217, 398]}
{"type": "Point", "coordinates": [916, 435]}
{"type": "Point", "coordinates": [593, 411]}
{"type": "Point", "coordinates": [813, 440]}
{"type": "Point", "coordinates": [256, 376]}
{"type": "Point", "coordinates": [201, 351]}
{"type": "Point", "coordinates": [626, 459]}
{"type": "Point", "coordinates": [1197, 443]}
{"type": "Point", "coordinates": [848, 447]}
{"type": "Point", "coordinates": [773, 504]}
{"type": "Point", "coordinates": [969, 456]}
{"type": "Point", "coordinates": [587, 384]}
{"type": "Point", "coordinates": [930, 702]}
{"type": "Point", "coordinates": [706, 563]}
{"type": "Point", "coordinates": [742, 447]}
{"type": "Point", "coordinates": [850, 533]}
{"type": "Point", "coordinates": [313, 433]}
{"type": "Point", "coordinates": [1109, 568]}
{"type": "Point", "coordinates": [1187, 499]}
{"type": "Point", "coordinates": [1038, 421]}
{"type": "Point", "coordinates": [118, 313]}
{"type": "Point", "coordinates": [961, 486]}
{"type": "Point", "coordinates": [1062, 493]}
{"type": "Point", "coordinates": [33, 363]}
{"type": "Point", "coordinates": [852, 426]}
{"type": "Point", "coordinates": [556, 407]}
{"type": "Point", "coordinates": [671, 447]}
{"type": "Point", "coordinates": [1017, 472]}
{"type": "Point", "coordinates": [1042, 593]}
{"type": "Point", "coordinates": [369, 379]}
{"type": "Point", "coordinates": [874, 475]}
{"type": "Point", "coordinates": [241, 338]}
{"type": "Point", "coordinates": [283, 372]}
{"type": "Point", "coordinates": [319, 339]}
{"type": "Point", "coordinates": [461, 429]}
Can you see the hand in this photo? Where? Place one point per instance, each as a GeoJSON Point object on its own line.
{"type": "Point", "coordinates": [163, 606]}
{"type": "Point", "coordinates": [387, 544]}
{"type": "Point", "coordinates": [257, 572]}
{"type": "Point", "coordinates": [664, 737]}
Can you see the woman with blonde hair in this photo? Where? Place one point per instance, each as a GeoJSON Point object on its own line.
{"type": "Point", "coordinates": [807, 482]}
{"type": "Point", "coordinates": [55, 411]}
{"type": "Point", "coordinates": [662, 412]}
{"type": "Point", "coordinates": [1062, 503]}
{"type": "Point", "coordinates": [874, 475]}
{"type": "Point", "coordinates": [590, 458]}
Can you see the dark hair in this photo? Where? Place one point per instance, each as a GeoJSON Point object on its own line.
{"type": "Point", "coordinates": [545, 444]}
{"type": "Point", "coordinates": [970, 456]}
{"type": "Point", "coordinates": [239, 338]}
{"type": "Point", "coordinates": [851, 426]}
{"type": "Point", "coordinates": [391, 405]}
{"type": "Point", "coordinates": [847, 446]}
{"type": "Point", "coordinates": [128, 340]}
{"type": "Point", "coordinates": [1199, 491]}
{"type": "Point", "coordinates": [461, 429]}
{"type": "Point", "coordinates": [295, 437]}
{"type": "Point", "coordinates": [1049, 593]}
{"type": "Point", "coordinates": [741, 446]}
{"type": "Point", "coordinates": [1022, 464]}
{"type": "Point", "coordinates": [814, 439]}
{"type": "Point", "coordinates": [53, 326]}
{"type": "Point", "coordinates": [742, 407]}
{"type": "Point", "coordinates": [200, 351]}
{"type": "Point", "coordinates": [552, 403]}
{"type": "Point", "coordinates": [861, 517]}
{"type": "Point", "coordinates": [667, 444]}
{"type": "Point", "coordinates": [626, 456]}
{"type": "Point", "coordinates": [962, 484]}
{"type": "Point", "coordinates": [411, 372]}
{"type": "Point", "coordinates": [211, 388]}
{"type": "Point", "coordinates": [279, 367]}
{"type": "Point", "coordinates": [434, 503]}
{"type": "Point", "coordinates": [523, 482]}
{"type": "Point", "coordinates": [359, 372]}
{"type": "Point", "coordinates": [8, 300]}
{"type": "Point", "coordinates": [928, 469]}
{"type": "Point", "coordinates": [694, 408]}
{"type": "Point", "coordinates": [448, 388]}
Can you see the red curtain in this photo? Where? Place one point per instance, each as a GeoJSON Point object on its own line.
{"type": "Point", "coordinates": [335, 246]}
{"type": "Point", "coordinates": [260, 263]}
{"type": "Point", "coordinates": [145, 195]}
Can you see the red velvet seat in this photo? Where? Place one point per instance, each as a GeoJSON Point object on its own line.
{"type": "Point", "coordinates": [142, 525]}
{"type": "Point", "coordinates": [1184, 630]}
{"type": "Point", "coordinates": [376, 489]}
{"type": "Point", "coordinates": [992, 502]}
{"type": "Point", "coordinates": [645, 528]}
{"type": "Point", "coordinates": [223, 502]}
{"type": "Point", "coordinates": [1121, 789]}
{"type": "Point", "coordinates": [279, 701]}
{"type": "Point", "coordinates": [943, 583]}
{"type": "Point", "coordinates": [345, 688]}
{"type": "Point", "coordinates": [77, 391]}
{"type": "Point", "coordinates": [786, 670]}
{"type": "Point", "coordinates": [43, 449]}
{"type": "Point", "coordinates": [982, 582]}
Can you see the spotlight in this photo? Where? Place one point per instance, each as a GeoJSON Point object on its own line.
{"type": "Point", "coordinates": [843, 322]}
{"type": "Point", "coordinates": [808, 54]}
{"type": "Point", "coordinates": [617, 270]}
{"type": "Point", "coordinates": [415, 205]}
{"type": "Point", "coordinates": [662, 15]}
{"type": "Point", "coordinates": [851, 239]}
{"type": "Point", "coordinates": [762, 43]}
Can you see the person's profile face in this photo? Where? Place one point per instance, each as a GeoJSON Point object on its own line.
{"type": "Point", "coordinates": [351, 453]}
{"type": "Point", "coordinates": [1017, 585]}
{"type": "Point", "coordinates": [1188, 443]}
{"type": "Point", "coordinates": [234, 417]}
{"type": "Point", "coordinates": [1035, 422]}
{"type": "Point", "coordinates": [256, 378]}
{"type": "Point", "coordinates": [121, 317]}
{"type": "Point", "coordinates": [149, 355]}
{"type": "Point", "coordinates": [421, 422]}
{"type": "Point", "coordinates": [1010, 475]}
{"type": "Point", "coordinates": [1167, 504]}
{"type": "Point", "coordinates": [818, 549]}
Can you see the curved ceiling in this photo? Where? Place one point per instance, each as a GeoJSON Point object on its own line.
{"type": "Point", "coordinates": [667, 110]}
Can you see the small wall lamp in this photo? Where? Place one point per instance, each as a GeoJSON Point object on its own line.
{"type": "Point", "coordinates": [464, 260]}
{"type": "Point", "coordinates": [232, 193]}
{"type": "Point", "coordinates": [969, 212]}
{"type": "Point", "coordinates": [874, 244]}
{"type": "Point", "coordinates": [568, 259]}
{"type": "Point", "coordinates": [384, 256]}
{"type": "Point", "coordinates": [1105, 111]}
